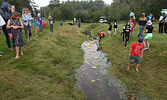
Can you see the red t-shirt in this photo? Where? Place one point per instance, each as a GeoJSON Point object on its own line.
{"type": "Point", "coordinates": [101, 33]}
{"type": "Point", "coordinates": [136, 49]}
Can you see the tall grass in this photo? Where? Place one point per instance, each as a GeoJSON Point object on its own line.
{"type": "Point", "coordinates": [47, 70]}
{"type": "Point", "coordinates": [151, 81]}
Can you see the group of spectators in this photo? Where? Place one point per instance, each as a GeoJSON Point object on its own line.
{"type": "Point", "coordinates": [12, 26]}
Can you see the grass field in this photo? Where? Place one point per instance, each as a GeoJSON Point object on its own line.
{"type": "Point", "coordinates": [47, 70]}
{"type": "Point", "coordinates": [151, 81]}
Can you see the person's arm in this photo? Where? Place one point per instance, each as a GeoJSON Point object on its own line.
{"type": "Point", "coordinates": [22, 26]}
{"type": "Point", "coordinates": [130, 51]}
{"type": "Point", "coordinates": [8, 25]}
{"type": "Point", "coordinates": [24, 17]}
{"type": "Point", "coordinates": [154, 29]}
{"type": "Point", "coordinates": [141, 53]}
{"type": "Point", "coordinates": [146, 31]}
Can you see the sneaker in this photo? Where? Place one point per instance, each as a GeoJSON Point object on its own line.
{"type": "Point", "coordinates": [145, 48]}
{"type": "Point", "coordinates": [36, 35]}
{"type": "Point", "coordinates": [148, 48]}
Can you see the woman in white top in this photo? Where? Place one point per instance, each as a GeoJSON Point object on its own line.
{"type": "Point", "coordinates": [161, 22]}
{"type": "Point", "coordinates": [2, 22]}
{"type": "Point", "coordinates": [165, 26]}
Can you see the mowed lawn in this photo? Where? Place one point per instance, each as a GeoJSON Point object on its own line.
{"type": "Point", "coordinates": [47, 70]}
{"type": "Point", "coordinates": [151, 81]}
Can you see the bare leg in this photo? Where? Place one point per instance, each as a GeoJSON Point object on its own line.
{"type": "Point", "coordinates": [137, 67]}
{"type": "Point", "coordinates": [148, 44]}
{"type": "Point", "coordinates": [21, 51]}
{"type": "Point", "coordinates": [128, 67]}
{"type": "Point", "coordinates": [17, 52]}
{"type": "Point", "coordinates": [144, 43]}
{"type": "Point", "coordinates": [78, 30]}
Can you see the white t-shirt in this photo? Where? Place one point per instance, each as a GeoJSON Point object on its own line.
{"type": "Point", "coordinates": [2, 22]}
{"type": "Point", "coordinates": [166, 19]}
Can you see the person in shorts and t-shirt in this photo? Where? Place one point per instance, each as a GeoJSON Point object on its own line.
{"type": "Point", "coordinates": [149, 30]}
{"type": "Point", "coordinates": [109, 29]}
{"type": "Point", "coordinates": [136, 53]}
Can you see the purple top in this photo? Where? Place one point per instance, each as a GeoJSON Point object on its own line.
{"type": "Point", "coordinates": [40, 20]}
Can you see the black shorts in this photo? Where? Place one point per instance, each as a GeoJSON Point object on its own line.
{"type": "Point", "coordinates": [135, 59]}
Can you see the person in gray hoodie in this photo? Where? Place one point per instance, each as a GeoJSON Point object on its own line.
{"type": "Point", "coordinates": [6, 13]}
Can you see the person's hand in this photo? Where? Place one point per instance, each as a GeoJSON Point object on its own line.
{"type": "Point", "coordinates": [129, 54]}
{"type": "Point", "coordinates": [15, 27]}
{"type": "Point", "coordinates": [141, 56]}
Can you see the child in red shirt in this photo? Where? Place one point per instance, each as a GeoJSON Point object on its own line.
{"type": "Point", "coordinates": [136, 53]}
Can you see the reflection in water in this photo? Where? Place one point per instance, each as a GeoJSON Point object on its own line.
{"type": "Point", "coordinates": [93, 77]}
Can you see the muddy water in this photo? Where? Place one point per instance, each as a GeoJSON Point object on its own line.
{"type": "Point", "coordinates": [93, 78]}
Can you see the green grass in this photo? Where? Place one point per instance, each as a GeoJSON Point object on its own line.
{"type": "Point", "coordinates": [151, 81]}
{"type": "Point", "coordinates": [47, 70]}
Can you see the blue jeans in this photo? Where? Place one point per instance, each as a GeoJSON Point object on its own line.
{"type": "Point", "coordinates": [141, 31]}
{"type": "Point", "coordinates": [6, 32]}
{"type": "Point", "coordinates": [40, 28]}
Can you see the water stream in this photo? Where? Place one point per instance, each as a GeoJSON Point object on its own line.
{"type": "Point", "coordinates": [93, 78]}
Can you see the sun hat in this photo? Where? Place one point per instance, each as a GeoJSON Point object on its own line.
{"type": "Point", "coordinates": [149, 23]}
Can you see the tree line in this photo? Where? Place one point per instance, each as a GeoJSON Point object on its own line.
{"type": "Point", "coordinates": [90, 11]}
{"type": "Point", "coordinates": [20, 4]}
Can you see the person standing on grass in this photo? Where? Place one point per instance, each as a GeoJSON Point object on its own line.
{"type": "Point", "coordinates": [161, 22]}
{"type": "Point", "coordinates": [132, 24]}
{"type": "Point", "coordinates": [61, 22]}
{"type": "Point", "coordinates": [109, 29]}
{"type": "Point", "coordinates": [6, 13]}
{"type": "Point", "coordinates": [36, 26]}
{"type": "Point", "coordinates": [136, 53]}
{"type": "Point", "coordinates": [27, 21]}
{"type": "Point", "coordinates": [51, 24]}
{"type": "Point", "coordinates": [40, 22]}
{"type": "Point", "coordinates": [165, 26]}
{"type": "Point", "coordinates": [2, 22]}
{"type": "Point", "coordinates": [115, 26]}
{"type": "Point", "coordinates": [79, 25]}
{"type": "Point", "coordinates": [149, 30]}
{"type": "Point", "coordinates": [127, 32]}
{"type": "Point", "coordinates": [16, 25]}
{"type": "Point", "coordinates": [142, 24]}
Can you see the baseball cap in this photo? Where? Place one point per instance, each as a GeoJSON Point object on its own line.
{"type": "Point", "coordinates": [140, 39]}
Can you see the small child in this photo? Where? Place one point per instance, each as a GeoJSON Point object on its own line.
{"type": "Point", "coordinates": [149, 30]}
{"type": "Point", "coordinates": [51, 24]}
{"type": "Point", "coordinates": [115, 27]}
{"type": "Point", "coordinates": [136, 53]}
{"type": "Point", "coordinates": [36, 26]}
{"type": "Point", "coordinates": [109, 29]}
{"type": "Point", "coordinates": [79, 25]}
{"type": "Point", "coordinates": [15, 24]}
{"type": "Point", "coordinates": [101, 35]}
{"type": "Point", "coordinates": [132, 24]}
{"type": "Point", "coordinates": [127, 32]}
{"type": "Point", "coordinates": [61, 22]}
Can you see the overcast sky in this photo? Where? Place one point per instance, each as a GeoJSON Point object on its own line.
{"type": "Point", "coordinates": [43, 3]}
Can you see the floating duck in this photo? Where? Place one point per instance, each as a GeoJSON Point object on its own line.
{"type": "Point", "coordinates": [94, 67]}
